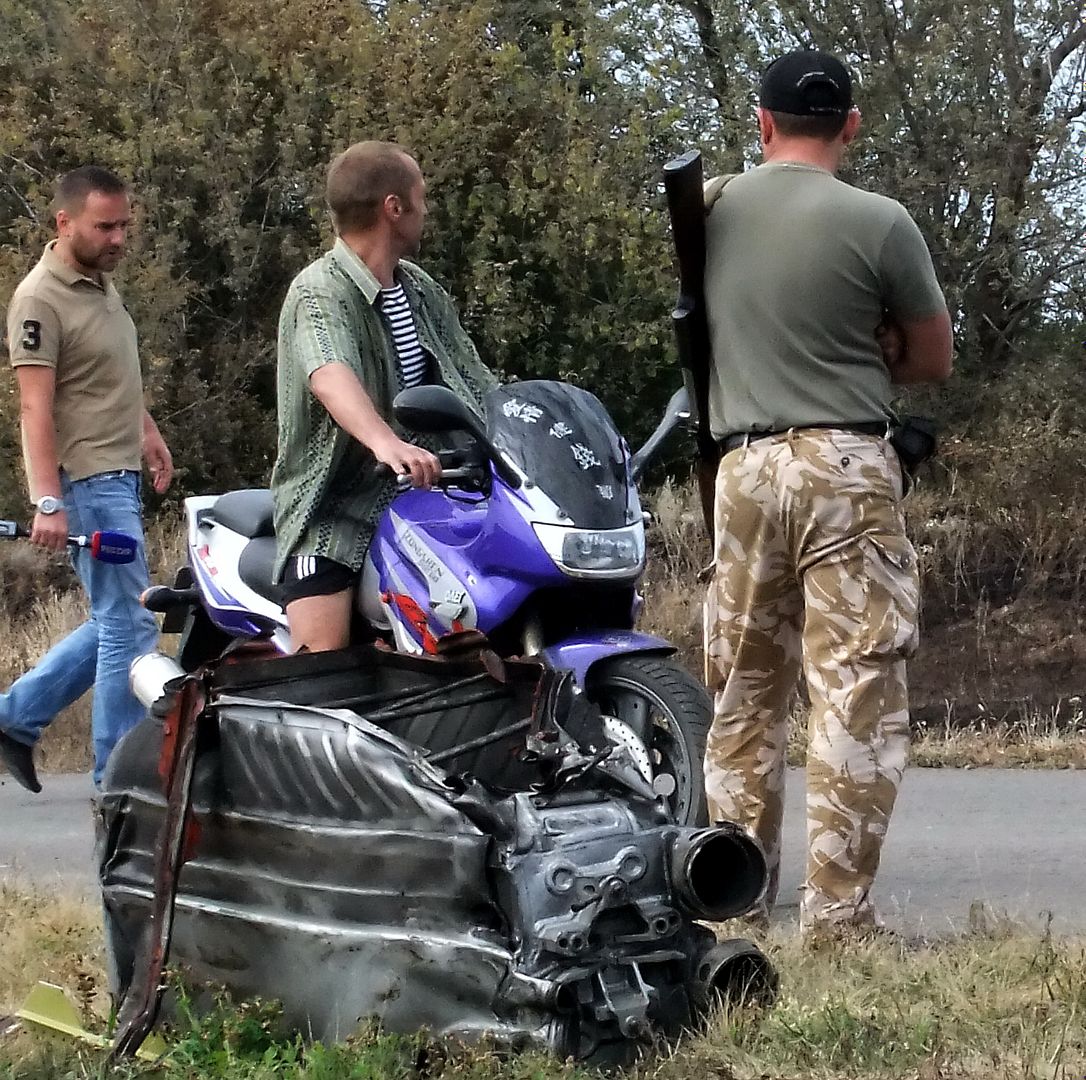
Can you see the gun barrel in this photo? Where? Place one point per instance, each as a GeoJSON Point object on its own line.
{"type": "Point", "coordinates": [683, 183]}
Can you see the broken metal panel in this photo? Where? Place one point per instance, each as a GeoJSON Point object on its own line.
{"type": "Point", "coordinates": [340, 872]}
{"type": "Point", "coordinates": [326, 851]}
{"type": "Point", "coordinates": [435, 705]}
{"type": "Point", "coordinates": [48, 1006]}
{"type": "Point", "coordinates": [330, 974]}
{"type": "Point", "coordinates": [181, 731]}
{"type": "Point", "coordinates": [320, 765]}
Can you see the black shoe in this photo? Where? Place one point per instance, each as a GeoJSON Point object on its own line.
{"type": "Point", "coordinates": [19, 758]}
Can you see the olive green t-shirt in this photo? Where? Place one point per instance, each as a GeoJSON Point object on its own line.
{"type": "Point", "coordinates": [62, 319]}
{"type": "Point", "coordinates": [800, 270]}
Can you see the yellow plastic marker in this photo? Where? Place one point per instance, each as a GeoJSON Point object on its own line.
{"type": "Point", "coordinates": [48, 1007]}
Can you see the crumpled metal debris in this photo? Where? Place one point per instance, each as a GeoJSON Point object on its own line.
{"type": "Point", "coordinates": [418, 841]}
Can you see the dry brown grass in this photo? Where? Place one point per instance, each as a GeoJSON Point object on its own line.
{"type": "Point", "coordinates": [988, 564]}
{"type": "Point", "coordinates": [44, 601]}
{"type": "Point", "coordinates": [1003, 653]}
{"type": "Point", "coordinates": [1036, 738]}
{"type": "Point", "coordinates": [36, 623]}
{"type": "Point", "coordinates": [52, 938]}
{"type": "Point", "coordinates": [679, 550]}
{"type": "Point", "coordinates": [1002, 664]}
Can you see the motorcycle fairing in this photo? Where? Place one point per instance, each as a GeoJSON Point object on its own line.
{"type": "Point", "coordinates": [581, 652]}
{"type": "Point", "coordinates": [442, 562]}
{"type": "Point", "coordinates": [454, 558]}
{"type": "Point", "coordinates": [562, 438]}
{"type": "Point", "coordinates": [231, 604]}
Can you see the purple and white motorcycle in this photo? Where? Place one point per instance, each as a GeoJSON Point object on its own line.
{"type": "Point", "coordinates": [535, 537]}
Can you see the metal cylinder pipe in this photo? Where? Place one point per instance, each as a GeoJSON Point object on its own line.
{"type": "Point", "coordinates": [735, 972]}
{"type": "Point", "coordinates": [149, 674]}
{"type": "Point", "coordinates": [718, 873]}
{"type": "Point", "coordinates": [552, 994]}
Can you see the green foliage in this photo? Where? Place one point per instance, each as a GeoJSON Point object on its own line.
{"type": "Point", "coordinates": [972, 118]}
{"type": "Point", "coordinates": [545, 221]}
{"type": "Point", "coordinates": [542, 128]}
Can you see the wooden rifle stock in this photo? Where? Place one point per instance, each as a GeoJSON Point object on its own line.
{"type": "Point", "coordinates": [683, 185]}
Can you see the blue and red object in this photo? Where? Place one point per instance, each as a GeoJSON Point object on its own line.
{"type": "Point", "coordinates": [105, 546]}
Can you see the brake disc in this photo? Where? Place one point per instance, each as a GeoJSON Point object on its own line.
{"type": "Point", "coordinates": [621, 734]}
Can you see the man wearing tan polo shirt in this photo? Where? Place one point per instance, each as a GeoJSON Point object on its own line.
{"type": "Point", "coordinates": [84, 428]}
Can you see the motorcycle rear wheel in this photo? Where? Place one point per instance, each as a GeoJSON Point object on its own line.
{"type": "Point", "coordinates": [671, 712]}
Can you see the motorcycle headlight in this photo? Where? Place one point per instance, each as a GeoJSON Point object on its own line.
{"type": "Point", "coordinates": [595, 552]}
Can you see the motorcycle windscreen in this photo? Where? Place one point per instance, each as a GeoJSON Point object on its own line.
{"type": "Point", "coordinates": [566, 443]}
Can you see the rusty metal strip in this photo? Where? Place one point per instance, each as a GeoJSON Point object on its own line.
{"type": "Point", "coordinates": [176, 842]}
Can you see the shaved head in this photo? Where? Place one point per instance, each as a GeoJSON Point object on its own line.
{"type": "Point", "coordinates": [362, 177]}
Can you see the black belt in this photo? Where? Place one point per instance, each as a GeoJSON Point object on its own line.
{"type": "Point", "coordinates": [744, 438]}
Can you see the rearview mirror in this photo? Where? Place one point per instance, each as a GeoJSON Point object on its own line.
{"type": "Point", "coordinates": [435, 409]}
{"type": "Point", "coordinates": [677, 411]}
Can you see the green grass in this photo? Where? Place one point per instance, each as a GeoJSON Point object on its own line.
{"type": "Point", "coordinates": [995, 1003]}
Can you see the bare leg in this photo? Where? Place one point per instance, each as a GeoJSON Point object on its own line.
{"type": "Point", "coordinates": [321, 623]}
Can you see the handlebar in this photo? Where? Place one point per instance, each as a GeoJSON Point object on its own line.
{"type": "Point", "coordinates": [450, 459]}
{"type": "Point", "coordinates": [472, 474]}
{"type": "Point", "coordinates": [450, 477]}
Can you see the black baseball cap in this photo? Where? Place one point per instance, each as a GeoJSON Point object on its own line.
{"type": "Point", "coordinates": [807, 83]}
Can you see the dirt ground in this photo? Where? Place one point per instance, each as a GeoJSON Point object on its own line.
{"type": "Point", "coordinates": [1021, 659]}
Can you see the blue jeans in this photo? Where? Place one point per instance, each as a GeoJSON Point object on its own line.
{"type": "Point", "coordinates": [100, 651]}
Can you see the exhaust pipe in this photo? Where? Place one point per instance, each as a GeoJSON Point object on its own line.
{"type": "Point", "coordinates": [735, 972]}
{"type": "Point", "coordinates": [552, 995]}
{"type": "Point", "coordinates": [718, 873]}
{"type": "Point", "coordinates": [149, 675]}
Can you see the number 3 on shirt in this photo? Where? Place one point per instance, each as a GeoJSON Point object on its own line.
{"type": "Point", "coordinates": [31, 334]}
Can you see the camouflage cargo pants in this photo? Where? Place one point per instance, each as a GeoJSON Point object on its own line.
{"type": "Point", "coordinates": [813, 572]}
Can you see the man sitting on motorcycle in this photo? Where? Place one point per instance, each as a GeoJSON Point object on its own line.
{"type": "Point", "coordinates": [358, 325]}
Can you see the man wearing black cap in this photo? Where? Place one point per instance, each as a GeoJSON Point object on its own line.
{"type": "Point", "coordinates": [820, 297]}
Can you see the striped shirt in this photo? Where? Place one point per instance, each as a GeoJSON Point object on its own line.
{"type": "Point", "coordinates": [397, 312]}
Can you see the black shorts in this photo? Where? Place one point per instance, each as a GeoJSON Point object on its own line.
{"type": "Point", "coordinates": [314, 575]}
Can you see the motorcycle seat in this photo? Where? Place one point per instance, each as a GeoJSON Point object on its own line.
{"type": "Point", "coordinates": [255, 567]}
{"type": "Point", "coordinates": [249, 512]}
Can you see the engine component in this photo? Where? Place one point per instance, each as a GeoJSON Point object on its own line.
{"type": "Point", "coordinates": [718, 873]}
{"type": "Point", "coordinates": [554, 911]}
{"type": "Point", "coordinates": [149, 675]}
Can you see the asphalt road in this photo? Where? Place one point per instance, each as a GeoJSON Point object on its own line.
{"type": "Point", "coordinates": [1013, 839]}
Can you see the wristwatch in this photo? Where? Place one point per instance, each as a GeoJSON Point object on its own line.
{"type": "Point", "coordinates": [49, 504]}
